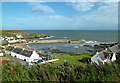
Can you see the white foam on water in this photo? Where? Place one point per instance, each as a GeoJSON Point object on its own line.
{"type": "Point", "coordinates": [65, 37]}
{"type": "Point", "coordinates": [91, 41]}
{"type": "Point", "coordinates": [76, 47]}
{"type": "Point", "coordinates": [28, 46]}
{"type": "Point", "coordinates": [66, 45]}
{"type": "Point", "coordinates": [47, 37]}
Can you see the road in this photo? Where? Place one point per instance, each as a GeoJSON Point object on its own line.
{"type": "Point", "coordinates": [16, 59]}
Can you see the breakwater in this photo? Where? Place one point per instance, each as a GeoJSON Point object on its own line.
{"type": "Point", "coordinates": [57, 41]}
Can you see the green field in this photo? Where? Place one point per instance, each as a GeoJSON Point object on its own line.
{"type": "Point", "coordinates": [71, 58]}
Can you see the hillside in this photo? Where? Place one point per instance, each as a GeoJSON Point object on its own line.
{"type": "Point", "coordinates": [26, 35]}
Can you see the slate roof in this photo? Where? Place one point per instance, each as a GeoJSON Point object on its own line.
{"type": "Point", "coordinates": [108, 50]}
{"type": "Point", "coordinates": [114, 49]}
{"type": "Point", "coordinates": [10, 48]}
{"type": "Point", "coordinates": [118, 46]}
{"type": "Point", "coordinates": [26, 53]}
{"type": "Point", "coordinates": [17, 50]}
{"type": "Point", "coordinates": [101, 55]}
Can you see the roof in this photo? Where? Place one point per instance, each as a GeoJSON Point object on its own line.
{"type": "Point", "coordinates": [118, 46]}
{"type": "Point", "coordinates": [17, 50]}
{"type": "Point", "coordinates": [46, 55]}
{"type": "Point", "coordinates": [101, 55]}
{"type": "Point", "coordinates": [53, 56]}
{"type": "Point", "coordinates": [114, 49]}
{"type": "Point", "coordinates": [10, 48]}
{"type": "Point", "coordinates": [26, 53]}
{"type": "Point", "coordinates": [108, 50]}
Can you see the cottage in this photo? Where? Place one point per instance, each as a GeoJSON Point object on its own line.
{"type": "Point", "coordinates": [13, 41]}
{"type": "Point", "coordinates": [19, 36]}
{"type": "Point", "coordinates": [108, 55]}
{"type": "Point", "coordinates": [24, 54]}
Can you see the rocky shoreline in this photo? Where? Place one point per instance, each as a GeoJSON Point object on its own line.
{"type": "Point", "coordinates": [100, 47]}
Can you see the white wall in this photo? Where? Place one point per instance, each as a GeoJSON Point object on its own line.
{"type": "Point", "coordinates": [34, 56]}
{"type": "Point", "coordinates": [20, 56]}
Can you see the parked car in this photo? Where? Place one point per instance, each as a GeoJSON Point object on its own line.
{"type": "Point", "coordinates": [39, 61]}
{"type": "Point", "coordinates": [35, 60]}
{"type": "Point", "coordinates": [6, 61]}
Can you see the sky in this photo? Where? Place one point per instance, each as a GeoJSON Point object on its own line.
{"type": "Point", "coordinates": [60, 15]}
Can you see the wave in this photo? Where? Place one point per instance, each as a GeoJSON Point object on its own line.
{"type": "Point", "coordinates": [76, 47]}
{"type": "Point", "coordinates": [90, 41]}
{"type": "Point", "coordinates": [47, 37]}
{"type": "Point", "coordinates": [28, 46]}
{"type": "Point", "coordinates": [65, 37]}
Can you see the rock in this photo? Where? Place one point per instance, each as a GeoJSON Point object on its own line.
{"type": "Point", "coordinates": [92, 51]}
{"type": "Point", "coordinates": [87, 46]}
{"type": "Point", "coordinates": [101, 46]}
{"type": "Point", "coordinates": [76, 41]}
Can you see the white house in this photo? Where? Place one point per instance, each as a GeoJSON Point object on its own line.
{"type": "Point", "coordinates": [13, 41]}
{"type": "Point", "coordinates": [10, 38]}
{"type": "Point", "coordinates": [21, 40]}
{"type": "Point", "coordinates": [19, 36]}
{"type": "Point", "coordinates": [108, 55]}
{"type": "Point", "coordinates": [1, 54]}
{"type": "Point", "coordinates": [24, 54]}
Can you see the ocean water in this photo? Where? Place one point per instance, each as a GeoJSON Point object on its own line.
{"type": "Point", "coordinates": [91, 37]}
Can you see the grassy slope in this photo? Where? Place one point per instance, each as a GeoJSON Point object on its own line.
{"type": "Point", "coordinates": [67, 72]}
{"type": "Point", "coordinates": [5, 58]}
{"type": "Point", "coordinates": [71, 58]}
{"type": "Point", "coordinates": [26, 35]}
{"type": "Point", "coordinates": [9, 33]}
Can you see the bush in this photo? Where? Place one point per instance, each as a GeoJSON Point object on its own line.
{"type": "Point", "coordinates": [63, 72]}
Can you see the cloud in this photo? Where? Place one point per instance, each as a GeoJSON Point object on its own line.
{"type": "Point", "coordinates": [82, 6]}
{"type": "Point", "coordinates": [60, 0]}
{"type": "Point", "coordinates": [39, 7]}
{"type": "Point", "coordinates": [105, 17]}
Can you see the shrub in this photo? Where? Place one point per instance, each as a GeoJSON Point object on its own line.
{"type": "Point", "coordinates": [64, 72]}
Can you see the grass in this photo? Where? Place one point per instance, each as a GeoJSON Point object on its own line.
{"type": "Point", "coordinates": [74, 58]}
{"type": "Point", "coordinates": [5, 58]}
{"type": "Point", "coordinates": [77, 68]}
{"type": "Point", "coordinates": [66, 72]}
{"type": "Point", "coordinates": [26, 35]}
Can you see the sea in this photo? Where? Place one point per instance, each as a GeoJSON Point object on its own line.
{"type": "Point", "coordinates": [92, 37]}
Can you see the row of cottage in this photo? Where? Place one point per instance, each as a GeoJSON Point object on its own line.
{"type": "Point", "coordinates": [13, 39]}
{"type": "Point", "coordinates": [28, 55]}
{"type": "Point", "coordinates": [108, 55]}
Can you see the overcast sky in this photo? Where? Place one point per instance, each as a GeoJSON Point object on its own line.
{"type": "Point", "coordinates": [60, 15]}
